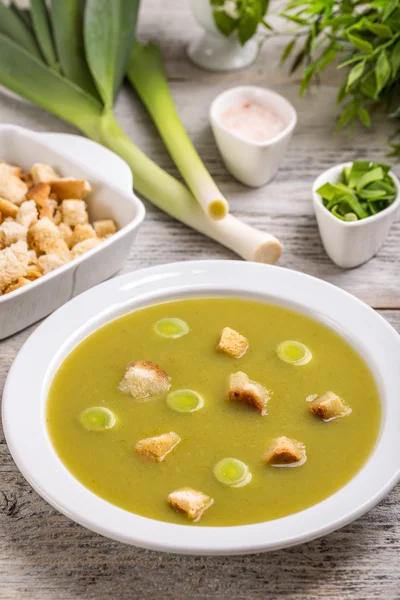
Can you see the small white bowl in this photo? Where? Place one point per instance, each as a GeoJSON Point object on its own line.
{"type": "Point", "coordinates": [252, 163]}
{"type": "Point", "coordinates": [27, 385]}
{"type": "Point", "coordinates": [112, 197]}
{"type": "Point", "coordinates": [351, 243]}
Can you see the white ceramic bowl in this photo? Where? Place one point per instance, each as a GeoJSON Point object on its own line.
{"type": "Point", "coordinates": [351, 243]}
{"type": "Point", "coordinates": [112, 197]}
{"type": "Point", "coordinates": [252, 163]}
{"type": "Point", "coordinates": [28, 382]}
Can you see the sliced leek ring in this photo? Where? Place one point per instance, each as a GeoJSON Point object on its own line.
{"type": "Point", "coordinates": [293, 352]}
{"type": "Point", "coordinates": [185, 401]}
{"type": "Point", "coordinates": [171, 328]}
{"type": "Point", "coordinates": [232, 472]}
{"type": "Point", "coordinates": [97, 418]}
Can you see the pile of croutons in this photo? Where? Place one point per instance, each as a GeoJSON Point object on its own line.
{"type": "Point", "coordinates": [44, 223]}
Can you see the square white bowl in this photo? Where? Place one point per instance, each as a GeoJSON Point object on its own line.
{"type": "Point", "coordinates": [112, 197]}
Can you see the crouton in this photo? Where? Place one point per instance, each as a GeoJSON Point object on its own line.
{"type": "Point", "coordinates": [104, 228]}
{"type": "Point", "coordinates": [43, 173]}
{"type": "Point", "coordinates": [284, 451]}
{"type": "Point", "coordinates": [27, 213]}
{"type": "Point", "coordinates": [34, 272]}
{"type": "Point", "coordinates": [39, 193]}
{"type": "Point", "coordinates": [14, 261]}
{"type": "Point", "coordinates": [12, 188]}
{"type": "Point", "coordinates": [328, 406]}
{"type": "Point", "coordinates": [83, 232]}
{"type": "Point", "coordinates": [43, 235]}
{"type": "Point", "coordinates": [74, 212]}
{"type": "Point", "coordinates": [66, 234]}
{"type": "Point", "coordinates": [244, 390]}
{"type": "Point", "coordinates": [10, 169]}
{"type": "Point", "coordinates": [49, 262]}
{"type": "Point", "coordinates": [12, 232]}
{"type": "Point", "coordinates": [67, 187]}
{"type": "Point", "coordinates": [9, 209]}
{"type": "Point", "coordinates": [20, 282]}
{"type": "Point", "coordinates": [233, 343]}
{"type": "Point", "coordinates": [156, 448]}
{"type": "Point", "coordinates": [84, 246]}
{"type": "Point", "coordinates": [144, 379]}
{"type": "Point", "coordinates": [191, 502]}
{"type": "Point", "coordinates": [50, 210]}
{"type": "Point", "coordinates": [60, 249]}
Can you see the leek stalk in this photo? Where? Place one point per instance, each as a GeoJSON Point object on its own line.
{"type": "Point", "coordinates": [147, 75]}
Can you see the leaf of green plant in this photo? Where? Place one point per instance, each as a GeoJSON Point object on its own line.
{"type": "Point", "coordinates": [41, 26]}
{"type": "Point", "coordinates": [23, 14]}
{"type": "Point", "coordinates": [298, 59]}
{"type": "Point", "coordinates": [248, 24]}
{"type": "Point", "coordinates": [288, 49]}
{"type": "Point", "coordinates": [14, 28]}
{"type": "Point", "coordinates": [355, 73]}
{"type": "Point", "coordinates": [67, 20]}
{"type": "Point", "coordinates": [327, 57]}
{"type": "Point", "coordinates": [109, 33]}
{"type": "Point", "coordinates": [395, 59]}
{"type": "Point", "coordinates": [225, 23]}
{"type": "Point", "coordinates": [383, 31]}
{"type": "Point", "coordinates": [382, 72]}
{"type": "Point", "coordinates": [368, 86]}
{"type": "Point", "coordinates": [364, 116]}
{"type": "Point", "coordinates": [307, 77]}
{"type": "Point", "coordinates": [348, 113]}
{"type": "Point", "coordinates": [360, 44]}
{"type": "Point", "coordinates": [391, 5]}
{"type": "Point", "coordinates": [26, 75]}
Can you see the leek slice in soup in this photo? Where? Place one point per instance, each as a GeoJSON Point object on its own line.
{"type": "Point", "coordinates": [232, 472]}
{"type": "Point", "coordinates": [185, 401]}
{"type": "Point", "coordinates": [171, 328]}
{"type": "Point", "coordinates": [294, 352]}
{"type": "Point", "coordinates": [97, 418]}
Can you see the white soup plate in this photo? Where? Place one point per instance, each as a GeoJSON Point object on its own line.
{"type": "Point", "coordinates": [26, 389]}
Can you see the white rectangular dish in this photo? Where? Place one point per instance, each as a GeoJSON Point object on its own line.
{"type": "Point", "coordinates": [112, 197]}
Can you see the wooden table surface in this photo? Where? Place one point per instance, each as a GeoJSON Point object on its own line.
{"type": "Point", "coordinates": [44, 555]}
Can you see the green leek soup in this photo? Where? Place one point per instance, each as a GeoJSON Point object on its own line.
{"type": "Point", "coordinates": [105, 461]}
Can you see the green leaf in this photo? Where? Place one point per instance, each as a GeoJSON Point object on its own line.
{"type": "Point", "coordinates": [307, 78]}
{"type": "Point", "coordinates": [348, 113]}
{"type": "Point", "coordinates": [288, 49]}
{"type": "Point", "coordinates": [109, 33]}
{"type": "Point", "coordinates": [355, 73]}
{"type": "Point", "coordinates": [41, 26]}
{"type": "Point", "coordinates": [395, 59]}
{"type": "Point", "coordinates": [391, 6]}
{"type": "Point", "coordinates": [360, 44]}
{"type": "Point", "coordinates": [327, 57]}
{"type": "Point", "coordinates": [14, 28]}
{"type": "Point", "coordinates": [382, 72]}
{"type": "Point", "coordinates": [248, 24]}
{"type": "Point", "coordinates": [24, 74]}
{"type": "Point", "coordinates": [298, 59]}
{"type": "Point", "coordinates": [379, 30]}
{"type": "Point", "coordinates": [364, 116]}
{"type": "Point", "coordinates": [225, 23]}
{"type": "Point", "coordinates": [23, 14]}
{"type": "Point", "coordinates": [342, 93]}
{"type": "Point", "coordinates": [67, 20]}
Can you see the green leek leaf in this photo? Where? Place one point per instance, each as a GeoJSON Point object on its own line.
{"type": "Point", "coordinates": [67, 19]}
{"type": "Point", "coordinates": [41, 26]}
{"type": "Point", "coordinates": [29, 77]}
{"type": "Point", "coordinates": [369, 177]}
{"type": "Point", "coordinates": [109, 33]}
{"type": "Point", "coordinates": [12, 26]}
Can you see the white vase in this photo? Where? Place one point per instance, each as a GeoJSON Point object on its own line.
{"type": "Point", "coordinates": [213, 51]}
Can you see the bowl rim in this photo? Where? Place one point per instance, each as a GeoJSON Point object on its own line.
{"type": "Point", "coordinates": [329, 175]}
{"type": "Point", "coordinates": [267, 92]}
{"type": "Point", "coordinates": [128, 194]}
{"type": "Point", "coordinates": [30, 446]}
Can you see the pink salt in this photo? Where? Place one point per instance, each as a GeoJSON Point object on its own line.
{"type": "Point", "coordinates": [253, 121]}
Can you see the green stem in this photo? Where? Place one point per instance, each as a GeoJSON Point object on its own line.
{"type": "Point", "coordinates": [146, 74]}
{"type": "Point", "coordinates": [171, 196]}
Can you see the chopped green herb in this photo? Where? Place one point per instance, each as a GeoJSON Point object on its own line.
{"type": "Point", "coordinates": [365, 188]}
